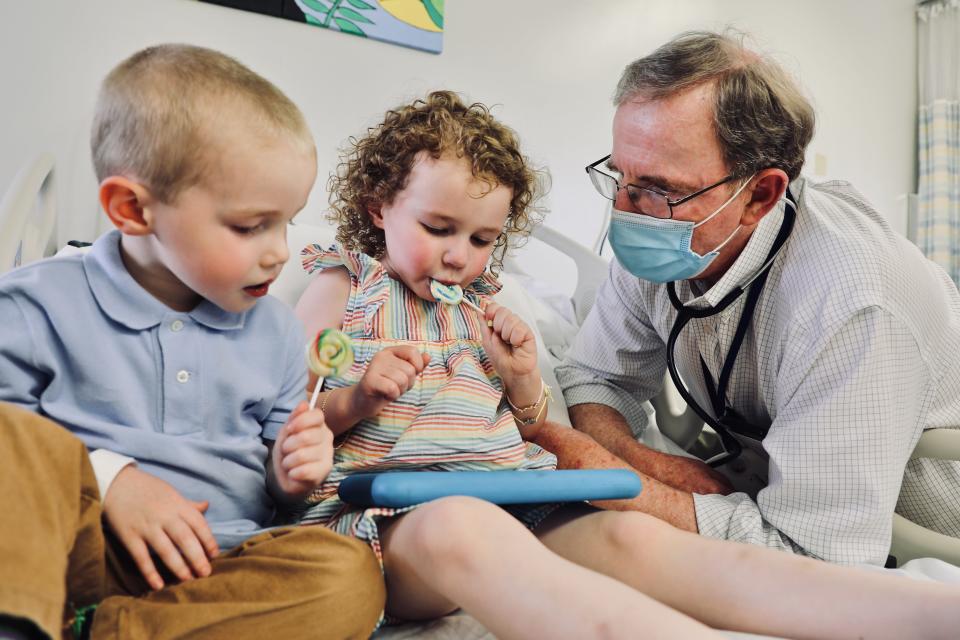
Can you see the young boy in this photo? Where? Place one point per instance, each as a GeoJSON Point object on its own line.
{"type": "Point", "coordinates": [159, 351]}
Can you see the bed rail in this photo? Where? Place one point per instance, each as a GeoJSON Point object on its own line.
{"type": "Point", "coordinates": [27, 214]}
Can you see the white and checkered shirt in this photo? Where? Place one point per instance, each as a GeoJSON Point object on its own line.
{"type": "Point", "coordinates": [853, 350]}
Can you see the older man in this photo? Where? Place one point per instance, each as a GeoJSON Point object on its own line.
{"type": "Point", "coordinates": [814, 338]}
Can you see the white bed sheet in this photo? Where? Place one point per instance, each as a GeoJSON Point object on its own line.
{"type": "Point", "coordinates": [461, 626]}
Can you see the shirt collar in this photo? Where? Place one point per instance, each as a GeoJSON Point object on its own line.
{"type": "Point", "coordinates": [750, 260]}
{"type": "Point", "coordinates": [125, 301]}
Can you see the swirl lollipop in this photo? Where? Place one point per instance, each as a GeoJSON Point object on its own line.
{"type": "Point", "coordinates": [328, 354]}
{"type": "Point", "coordinates": [451, 294]}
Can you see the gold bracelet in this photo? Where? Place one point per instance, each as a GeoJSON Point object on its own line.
{"type": "Point", "coordinates": [540, 404]}
{"type": "Point", "coordinates": [526, 422]}
{"type": "Point", "coordinates": [543, 394]}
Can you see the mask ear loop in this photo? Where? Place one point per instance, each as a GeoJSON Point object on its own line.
{"type": "Point", "coordinates": [729, 238]}
{"type": "Point", "coordinates": [720, 246]}
{"type": "Point", "coordinates": [724, 205]}
{"type": "Point", "coordinates": [739, 226]}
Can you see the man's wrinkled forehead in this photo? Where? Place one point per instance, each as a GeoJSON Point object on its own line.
{"type": "Point", "coordinates": [670, 142]}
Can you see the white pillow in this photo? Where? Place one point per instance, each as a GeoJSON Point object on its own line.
{"type": "Point", "coordinates": [289, 286]}
{"type": "Point", "coordinates": [514, 297]}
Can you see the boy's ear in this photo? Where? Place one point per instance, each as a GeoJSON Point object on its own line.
{"type": "Point", "coordinates": [124, 201]}
{"type": "Point", "coordinates": [376, 214]}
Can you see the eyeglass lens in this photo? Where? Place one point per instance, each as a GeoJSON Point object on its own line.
{"type": "Point", "coordinates": [642, 200]}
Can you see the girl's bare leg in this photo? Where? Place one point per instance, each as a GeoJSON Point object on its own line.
{"type": "Point", "coordinates": [746, 588]}
{"type": "Point", "coordinates": [462, 552]}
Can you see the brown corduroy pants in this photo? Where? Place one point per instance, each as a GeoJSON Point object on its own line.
{"type": "Point", "coordinates": [302, 582]}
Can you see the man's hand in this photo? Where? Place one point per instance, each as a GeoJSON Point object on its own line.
{"type": "Point", "coordinates": [694, 476]}
{"type": "Point", "coordinates": [147, 514]}
{"type": "Point", "coordinates": [302, 454]}
{"type": "Point", "coordinates": [680, 472]}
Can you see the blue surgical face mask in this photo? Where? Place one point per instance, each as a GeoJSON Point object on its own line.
{"type": "Point", "coordinates": [658, 249]}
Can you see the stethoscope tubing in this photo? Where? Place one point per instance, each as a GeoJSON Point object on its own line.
{"type": "Point", "coordinates": [732, 446]}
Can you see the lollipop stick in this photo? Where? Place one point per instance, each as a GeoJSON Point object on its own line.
{"type": "Point", "coordinates": [473, 306]}
{"type": "Point", "coordinates": [316, 392]}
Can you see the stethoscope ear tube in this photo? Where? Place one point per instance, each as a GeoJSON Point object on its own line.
{"type": "Point", "coordinates": [731, 446]}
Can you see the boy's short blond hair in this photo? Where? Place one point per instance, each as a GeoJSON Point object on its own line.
{"type": "Point", "coordinates": [375, 168]}
{"type": "Point", "coordinates": [157, 112]}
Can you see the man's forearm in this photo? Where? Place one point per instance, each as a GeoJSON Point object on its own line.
{"type": "Point", "coordinates": [605, 425]}
{"type": "Point", "coordinates": [608, 427]}
{"type": "Point", "coordinates": [577, 450]}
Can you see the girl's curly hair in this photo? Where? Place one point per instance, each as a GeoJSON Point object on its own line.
{"type": "Point", "coordinates": [376, 167]}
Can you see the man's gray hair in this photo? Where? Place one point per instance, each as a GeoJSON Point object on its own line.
{"type": "Point", "coordinates": [762, 119]}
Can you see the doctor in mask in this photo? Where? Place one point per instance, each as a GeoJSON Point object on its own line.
{"type": "Point", "coordinates": [816, 342]}
{"type": "Point", "coordinates": [648, 241]}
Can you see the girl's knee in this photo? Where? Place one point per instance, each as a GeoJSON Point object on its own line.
{"type": "Point", "coordinates": [632, 532]}
{"type": "Point", "coordinates": [448, 530]}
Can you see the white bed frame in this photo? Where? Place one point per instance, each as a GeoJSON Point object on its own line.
{"type": "Point", "coordinates": [28, 214]}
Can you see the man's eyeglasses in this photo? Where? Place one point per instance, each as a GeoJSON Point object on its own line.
{"type": "Point", "coordinates": [644, 200]}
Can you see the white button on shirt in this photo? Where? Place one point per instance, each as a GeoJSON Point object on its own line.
{"type": "Point", "coordinates": [176, 325]}
{"type": "Point", "coordinates": [854, 350]}
{"type": "Point", "coordinates": [83, 344]}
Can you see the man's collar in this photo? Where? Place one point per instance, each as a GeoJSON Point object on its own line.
{"type": "Point", "coordinates": [126, 302]}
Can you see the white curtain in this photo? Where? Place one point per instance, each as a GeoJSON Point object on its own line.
{"type": "Point", "coordinates": [938, 210]}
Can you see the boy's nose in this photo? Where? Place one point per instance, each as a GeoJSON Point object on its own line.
{"type": "Point", "coordinates": [278, 252]}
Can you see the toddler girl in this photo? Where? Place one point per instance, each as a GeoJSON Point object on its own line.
{"type": "Point", "coordinates": [437, 192]}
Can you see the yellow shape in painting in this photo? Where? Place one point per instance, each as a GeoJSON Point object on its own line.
{"type": "Point", "coordinates": [410, 11]}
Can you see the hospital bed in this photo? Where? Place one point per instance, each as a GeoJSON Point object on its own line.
{"type": "Point", "coordinates": [27, 228]}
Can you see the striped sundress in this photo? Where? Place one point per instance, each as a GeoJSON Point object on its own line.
{"type": "Point", "coordinates": [454, 418]}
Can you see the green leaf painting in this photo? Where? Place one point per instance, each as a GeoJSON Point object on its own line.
{"type": "Point", "coordinates": [435, 11]}
{"type": "Point", "coordinates": [347, 12]}
{"type": "Point", "coordinates": [316, 5]}
{"type": "Point", "coordinates": [348, 27]}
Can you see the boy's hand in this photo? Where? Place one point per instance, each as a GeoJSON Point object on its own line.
{"type": "Point", "coordinates": [302, 453]}
{"type": "Point", "coordinates": [511, 346]}
{"type": "Point", "coordinates": [148, 515]}
{"type": "Point", "coordinates": [390, 374]}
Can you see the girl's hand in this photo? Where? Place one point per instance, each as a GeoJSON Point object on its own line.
{"type": "Point", "coordinates": [390, 374]}
{"type": "Point", "coordinates": [511, 346]}
{"type": "Point", "coordinates": [302, 455]}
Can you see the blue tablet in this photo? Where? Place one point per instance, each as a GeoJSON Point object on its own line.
{"type": "Point", "coordinates": [405, 488]}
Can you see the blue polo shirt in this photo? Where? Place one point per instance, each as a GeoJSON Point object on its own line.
{"type": "Point", "coordinates": [190, 395]}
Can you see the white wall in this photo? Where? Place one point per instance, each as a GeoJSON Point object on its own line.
{"type": "Point", "coordinates": [551, 65]}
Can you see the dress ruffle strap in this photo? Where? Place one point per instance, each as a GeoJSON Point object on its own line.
{"type": "Point", "coordinates": [367, 275]}
{"type": "Point", "coordinates": [485, 285]}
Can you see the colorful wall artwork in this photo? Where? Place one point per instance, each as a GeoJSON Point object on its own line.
{"type": "Point", "coordinates": [411, 23]}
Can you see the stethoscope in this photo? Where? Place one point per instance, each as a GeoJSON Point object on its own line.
{"type": "Point", "coordinates": [727, 422]}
